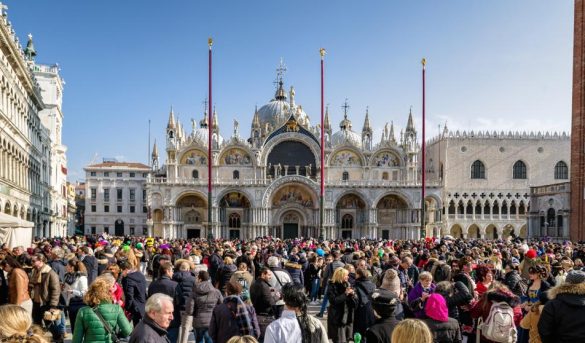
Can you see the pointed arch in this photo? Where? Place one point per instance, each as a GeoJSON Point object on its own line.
{"type": "Point", "coordinates": [478, 170]}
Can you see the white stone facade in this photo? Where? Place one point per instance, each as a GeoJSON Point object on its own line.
{"type": "Point", "coordinates": [486, 178]}
{"type": "Point", "coordinates": [25, 142]}
{"type": "Point", "coordinates": [269, 184]}
{"type": "Point", "coordinates": [115, 198]}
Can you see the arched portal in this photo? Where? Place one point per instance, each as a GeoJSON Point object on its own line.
{"type": "Point", "coordinates": [350, 214]}
{"type": "Point", "coordinates": [523, 232]}
{"type": "Point", "coordinates": [192, 211]}
{"type": "Point", "coordinates": [508, 231]}
{"type": "Point", "coordinates": [234, 213]}
{"type": "Point", "coordinates": [473, 231]}
{"type": "Point", "coordinates": [491, 232]}
{"type": "Point", "coordinates": [456, 231]}
{"type": "Point", "coordinates": [395, 219]}
{"type": "Point", "coordinates": [301, 200]}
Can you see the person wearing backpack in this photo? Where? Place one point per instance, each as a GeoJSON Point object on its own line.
{"type": "Point", "coordinates": [244, 278]}
{"type": "Point", "coordinates": [500, 303]}
{"type": "Point", "coordinates": [364, 314]}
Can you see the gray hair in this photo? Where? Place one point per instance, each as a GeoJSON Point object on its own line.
{"type": "Point", "coordinates": [154, 303]}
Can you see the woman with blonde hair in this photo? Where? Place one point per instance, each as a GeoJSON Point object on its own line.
{"type": "Point", "coordinates": [17, 326]}
{"type": "Point", "coordinates": [242, 339]}
{"type": "Point", "coordinates": [225, 274]}
{"type": "Point", "coordinates": [412, 330]}
{"type": "Point", "coordinates": [100, 312]}
{"type": "Point", "coordinates": [342, 302]}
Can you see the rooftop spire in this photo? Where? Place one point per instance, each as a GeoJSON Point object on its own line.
{"type": "Point", "coordinates": [345, 123]}
{"type": "Point", "coordinates": [171, 124]}
{"type": "Point", "coordinates": [256, 119]}
{"type": "Point", "coordinates": [280, 71]}
{"type": "Point", "coordinates": [29, 51]}
{"type": "Point", "coordinates": [204, 122]}
{"type": "Point", "coordinates": [327, 124]}
{"type": "Point", "coordinates": [155, 151]}
{"type": "Point", "coordinates": [215, 124]}
{"type": "Point", "coordinates": [410, 124]}
{"type": "Point", "coordinates": [367, 127]}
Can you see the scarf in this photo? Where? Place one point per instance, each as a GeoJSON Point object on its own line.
{"type": "Point", "coordinates": [240, 314]}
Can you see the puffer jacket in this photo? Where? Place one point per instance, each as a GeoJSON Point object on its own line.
{"type": "Point", "coordinates": [185, 283]}
{"type": "Point", "coordinates": [224, 275]}
{"type": "Point", "coordinates": [296, 272]}
{"type": "Point", "coordinates": [563, 317]}
{"type": "Point", "coordinates": [201, 303]}
{"type": "Point", "coordinates": [89, 328]}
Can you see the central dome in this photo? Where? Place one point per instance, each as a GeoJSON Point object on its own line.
{"type": "Point", "coordinates": [278, 110]}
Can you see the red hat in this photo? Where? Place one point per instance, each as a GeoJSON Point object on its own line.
{"type": "Point", "coordinates": [531, 253]}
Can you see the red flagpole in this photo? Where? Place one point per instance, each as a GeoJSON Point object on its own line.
{"type": "Point", "coordinates": [209, 159]}
{"type": "Point", "coordinates": [321, 209]}
{"type": "Point", "coordinates": [423, 176]}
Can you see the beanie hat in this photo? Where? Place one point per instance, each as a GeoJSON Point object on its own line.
{"type": "Point", "coordinates": [436, 308]}
{"type": "Point", "coordinates": [531, 253]}
{"type": "Point", "coordinates": [391, 281]}
{"type": "Point", "coordinates": [575, 277]}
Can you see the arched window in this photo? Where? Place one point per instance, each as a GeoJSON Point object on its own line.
{"type": "Point", "coordinates": [236, 174]}
{"type": "Point", "coordinates": [195, 174]}
{"type": "Point", "coordinates": [234, 221]}
{"type": "Point", "coordinates": [347, 222]}
{"type": "Point", "coordinates": [519, 171]}
{"type": "Point", "coordinates": [477, 170]}
{"type": "Point", "coordinates": [345, 176]}
{"type": "Point", "coordinates": [561, 171]}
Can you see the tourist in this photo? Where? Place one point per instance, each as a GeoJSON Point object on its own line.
{"type": "Point", "coordinates": [75, 285]}
{"type": "Point", "coordinates": [485, 279]}
{"type": "Point", "coordinates": [45, 294]}
{"type": "Point", "coordinates": [411, 330]}
{"type": "Point", "coordinates": [100, 311]}
{"type": "Point", "coordinates": [264, 299]}
{"type": "Point", "coordinates": [18, 284]}
{"type": "Point", "coordinates": [531, 318]}
{"type": "Point", "coordinates": [512, 278]}
{"type": "Point", "coordinates": [326, 274]}
{"type": "Point", "coordinates": [244, 278]}
{"type": "Point", "coordinates": [312, 279]}
{"type": "Point", "coordinates": [498, 293]}
{"type": "Point", "coordinates": [295, 324]}
{"type": "Point", "coordinates": [164, 283]}
{"type": "Point", "coordinates": [181, 325]}
{"type": "Point", "coordinates": [384, 305]}
{"type": "Point", "coordinates": [364, 314]}
{"type": "Point", "coordinates": [420, 293]}
{"type": "Point", "coordinates": [233, 317]}
{"type": "Point", "coordinates": [85, 255]}
{"type": "Point", "coordinates": [563, 318]}
{"type": "Point", "coordinates": [343, 302]}
{"type": "Point", "coordinates": [152, 328]}
{"type": "Point", "coordinates": [134, 286]}
{"type": "Point", "coordinates": [456, 295]}
{"type": "Point", "coordinates": [17, 326]}
{"type": "Point", "coordinates": [225, 273]}
{"type": "Point", "coordinates": [443, 328]}
{"type": "Point", "coordinates": [201, 304]}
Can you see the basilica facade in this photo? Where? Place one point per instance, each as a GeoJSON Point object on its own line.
{"type": "Point", "coordinates": [269, 183]}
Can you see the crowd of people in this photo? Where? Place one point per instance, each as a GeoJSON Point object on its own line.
{"type": "Point", "coordinates": [146, 289]}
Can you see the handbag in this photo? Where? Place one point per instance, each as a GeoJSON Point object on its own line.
{"type": "Point", "coordinates": [113, 335]}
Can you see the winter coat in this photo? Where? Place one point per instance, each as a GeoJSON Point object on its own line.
{"type": "Point", "coordinates": [459, 297]}
{"type": "Point", "coordinates": [381, 331]}
{"type": "Point", "coordinates": [46, 283]}
{"type": "Point", "coordinates": [223, 276]}
{"type": "Point", "coordinates": [444, 331]}
{"type": "Point", "coordinates": [59, 268]}
{"type": "Point", "coordinates": [341, 306]}
{"type": "Point", "coordinates": [512, 280]}
{"type": "Point", "coordinates": [563, 316]}
{"type": "Point", "coordinates": [262, 297]}
{"type": "Point", "coordinates": [530, 322]}
{"type": "Point", "coordinates": [483, 306]}
{"type": "Point", "coordinates": [215, 263]}
{"type": "Point", "coordinates": [415, 301]}
{"type": "Point", "coordinates": [163, 285]}
{"type": "Point", "coordinates": [185, 283]}
{"type": "Point", "coordinates": [364, 313]}
{"type": "Point", "coordinates": [91, 264]}
{"type": "Point", "coordinates": [280, 277]}
{"type": "Point", "coordinates": [224, 326]}
{"type": "Point", "coordinates": [202, 302]}
{"type": "Point", "coordinates": [134, 285]}
{"type": "Point", "coordinates": [295, 271]}
{"type": "Point", "coordinates": [18, 286]}
{"type": "Point", "coordinates": [147, 331]}
{"type": "Point", "coordinates": [89, 328]}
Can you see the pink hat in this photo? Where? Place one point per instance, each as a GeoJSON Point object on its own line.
{"type": "Point", "coordinates": [436, 308]}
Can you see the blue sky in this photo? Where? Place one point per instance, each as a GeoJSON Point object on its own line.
{"type": "Point", "coordinates": [497, 65]}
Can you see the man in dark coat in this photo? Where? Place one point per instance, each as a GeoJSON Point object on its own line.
{"type": "Point", "coordinates": [215, 263]}
{"type": "Point", "coordinates": [134, 285]}
{"type": "Point", "coordinates": [563, 317]}
{"type": "Point", "coordinates": [152, 328]}
{"type": "Point", "coordinates": [384, 303]}
{"type": "Point", "coordinates": [200, 305]}
{"type": "Point", "coordinates": [90, 263]}
{"type": "Point", "coordinates": [164, 284]}
{"type": "Point", "coordinates": [57, 262]}
{"type": "Point", "coordinates": [263, 299]}
{"type": "Point", "coordinates": [185, 284]}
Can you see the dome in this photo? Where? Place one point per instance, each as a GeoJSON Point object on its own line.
{"type": "Point", "coordinates": [345, 136]}
{"type": "Point", "coordinates": [201, 135]}
{"type": "Point", "coordinates": [278, 110]}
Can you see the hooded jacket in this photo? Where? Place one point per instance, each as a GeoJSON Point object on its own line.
{"type": "Point", "coordinates": [563, 317]}
{"type": "Point", "coordinates": [443, 328]}
{"type": "Point", "coordinates": [134, 285]}
{"type": "Point", "coordinates": [201, 303]}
